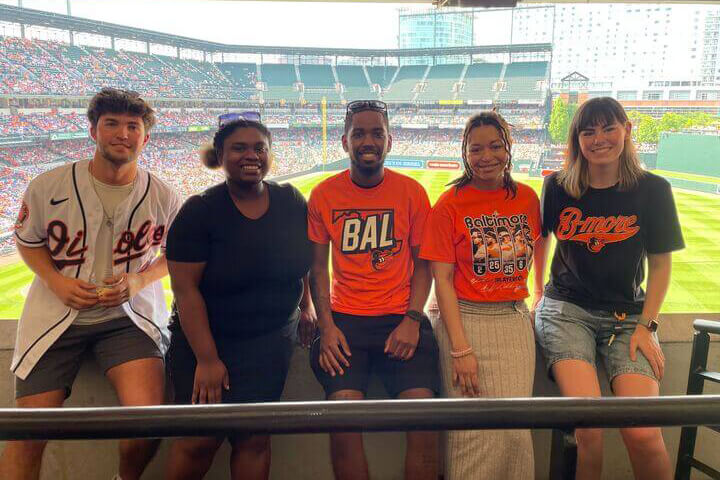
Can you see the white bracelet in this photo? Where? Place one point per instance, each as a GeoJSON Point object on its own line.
{"type": "Point", "coordinates": [461, 353]}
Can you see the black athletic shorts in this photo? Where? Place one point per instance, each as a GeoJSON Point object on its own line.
{"type": "Point", "coordinates": [366, 337]}
{"type": "Point", "coordinates": [257, 366]}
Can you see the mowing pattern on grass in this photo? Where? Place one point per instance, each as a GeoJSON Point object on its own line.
{"type": "Point", "coordinates": [696, 270]}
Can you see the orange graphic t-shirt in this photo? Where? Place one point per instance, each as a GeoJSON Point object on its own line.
{"type": "Point", "coordinates": [372, 231]}
{"type": "Point", "coordinates": [489, 238]}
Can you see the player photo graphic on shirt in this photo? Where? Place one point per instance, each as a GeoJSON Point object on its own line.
{"type": "Point", "coordinates": [479, 252]}
{"type": "Point", "coordinates": [503, 244]}
{"type": "Point", "coordinates": [507, 251]}
{"type": "Point", "coordinates": [369, 232]}
{"type": "Point", "coordinates": [521, 245]}
{"type": "Point", "coordinates": [493, 249]}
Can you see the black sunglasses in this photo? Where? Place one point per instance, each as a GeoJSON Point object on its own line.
{"type": "Point", "coordinates": [363, 105]}
{"type": "Point", "coordinates": [226, 118]}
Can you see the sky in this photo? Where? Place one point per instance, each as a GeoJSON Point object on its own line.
{"type": "Point", "coordinates": [313, 24]}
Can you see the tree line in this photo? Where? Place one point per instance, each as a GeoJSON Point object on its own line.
{"type": "Point", "coordinates": [646, 129]}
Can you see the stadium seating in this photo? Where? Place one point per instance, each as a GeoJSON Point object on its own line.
{"type": "Point", "coordinates": [356, 84]}
{"type": "Point", "coordinates": [440, 82]}
{"type": "Point", "coordinates": [41, 67]}
{"type": "Point", "coordinates": [404, 86]}
{"type": "Point", "coordinates": [280, 80]}
{"type": "Point", "coordinates": [381, 75]}
{"type": "Point", "coordinates": [242, 76]}
{"type": "Point", "coordinates": [479, 81]}
{"type": "Point", "coordinates": [522, 81]}
{"type": "Point", "coordinates": [319, 82]}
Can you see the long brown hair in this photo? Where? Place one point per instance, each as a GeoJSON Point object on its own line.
{"type": "Point", "coordinates": [575, 175]}
{"type": "Point", "coordinates": [493, 119]}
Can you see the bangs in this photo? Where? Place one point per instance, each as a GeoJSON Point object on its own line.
{"type": "Point", "coordinates": [599, 112]}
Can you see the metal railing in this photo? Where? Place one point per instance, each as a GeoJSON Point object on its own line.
{"type": "Point", "coordinates": [699, 374]}
{"type": "Point", "coordinates": [357, 416]}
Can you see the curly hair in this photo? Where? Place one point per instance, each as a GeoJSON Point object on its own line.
{"type": "Point", "coordinates": [492, 119]}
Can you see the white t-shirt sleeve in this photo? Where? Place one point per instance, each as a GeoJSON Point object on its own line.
{"type": "Point", "coordinates": [30, 230]}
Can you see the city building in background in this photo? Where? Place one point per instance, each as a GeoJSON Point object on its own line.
{"type": "Point", "coordinates": [436, 28]}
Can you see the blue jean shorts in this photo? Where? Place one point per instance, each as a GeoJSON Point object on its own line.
{"type": "Point", "coordinates": [565, 331]}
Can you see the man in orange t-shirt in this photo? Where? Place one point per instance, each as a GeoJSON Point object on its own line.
{"type": "Point", "coordinates": [371, 319]}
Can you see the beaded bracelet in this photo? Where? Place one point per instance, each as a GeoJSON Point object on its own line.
{"type": "Point", "coordinates": [461, 353]}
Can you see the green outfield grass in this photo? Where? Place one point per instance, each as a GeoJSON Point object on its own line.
{"type": "Point", "coordinates": [687, 176]}
{"type": "Point", "coordinates": [696, 270]}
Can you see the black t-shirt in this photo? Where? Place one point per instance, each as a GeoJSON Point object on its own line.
{"type": "Point", "coordinates": [252, 282]}
{"type": "Point", "coordinates": [603, 240]}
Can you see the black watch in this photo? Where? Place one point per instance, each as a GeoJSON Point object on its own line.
{"type": "Point", "coordinates": [417, 316]}
{"type": "Point", "coordinates": [651, 324]}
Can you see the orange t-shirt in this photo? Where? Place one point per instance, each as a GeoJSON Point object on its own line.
{"type": "Point", "coordinates": [488, 237]}
{"type": "Point", "coordinates": [371, 231]}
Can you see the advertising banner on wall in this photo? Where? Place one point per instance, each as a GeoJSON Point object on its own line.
{"type": "Point", "coordinates": [399, 163]}
{"type": "Point", "coordinates": [443, 165]}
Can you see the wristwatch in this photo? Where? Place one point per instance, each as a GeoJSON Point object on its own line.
{"type": "Point", "coordinates": [651, 324]}
{"type": "Point", "coordinates": [417, 316]}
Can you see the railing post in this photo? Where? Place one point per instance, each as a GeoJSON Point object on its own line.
{"type": "Point", "coordinates": [563, 455]}
{"type": "Point", "coordinates": [698, 363]}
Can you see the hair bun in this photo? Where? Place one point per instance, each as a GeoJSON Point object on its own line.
{"type": "Point", "coordinates": [208, 156]}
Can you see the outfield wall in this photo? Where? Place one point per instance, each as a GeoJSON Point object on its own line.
{"type": "Point", "coordinates": [301, 457]}
{"type": "Point", "coordinates": [392, 161]}
{"type": "Point", "coordinates": [689, 153]}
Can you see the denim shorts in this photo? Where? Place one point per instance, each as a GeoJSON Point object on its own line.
{"type": "Point", "coordinates": [565, 331]}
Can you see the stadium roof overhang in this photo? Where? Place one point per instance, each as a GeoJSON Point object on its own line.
{"type": "Point", "coordinates": [28, 16]}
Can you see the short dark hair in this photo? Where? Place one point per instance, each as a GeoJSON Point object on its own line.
{"type": "Point", "coordinates": [116, 100]}
{"type": "Point", "coordinates": [349, 114]}
{"type": "Point", "coordinates": [209, 154]}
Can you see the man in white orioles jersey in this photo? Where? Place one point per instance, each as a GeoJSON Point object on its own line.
{"type": "Point", "coordinates": [91, 232]}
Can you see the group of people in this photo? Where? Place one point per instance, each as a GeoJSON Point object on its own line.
{"type": "Point", "coordinates": [249, 266]}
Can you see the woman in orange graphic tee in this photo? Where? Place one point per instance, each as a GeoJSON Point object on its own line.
{"type": "Point", "coordinates": [482, 236]}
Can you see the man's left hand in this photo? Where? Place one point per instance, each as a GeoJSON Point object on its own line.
{"type": "Point", "coordinates": [119, 289]}
{"type": "Point", "coordinates": [402, 342]}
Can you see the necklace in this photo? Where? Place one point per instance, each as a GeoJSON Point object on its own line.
{"type": "Point", "coordinates": [109, 219]}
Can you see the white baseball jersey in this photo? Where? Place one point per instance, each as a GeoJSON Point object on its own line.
{"type": "Point", "coordinates": [62, 212]}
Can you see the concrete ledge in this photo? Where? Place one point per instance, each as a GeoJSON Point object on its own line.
{"type": "Point", "coordinates": [307, 456]}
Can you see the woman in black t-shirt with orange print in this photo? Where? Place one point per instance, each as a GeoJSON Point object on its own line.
{"type": "Point", "coordinates": [609, 216]}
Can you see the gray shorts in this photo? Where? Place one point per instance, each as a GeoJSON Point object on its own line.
{"type": "Point", "coordinates": [113, 342]}
{"type": "Point", "coordinates": [565, 331]}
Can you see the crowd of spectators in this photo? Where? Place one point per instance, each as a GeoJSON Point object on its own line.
{"type": "Point", "coordinates": [174, 156]}
{"type": "Point", "coordinates": [56, 68]}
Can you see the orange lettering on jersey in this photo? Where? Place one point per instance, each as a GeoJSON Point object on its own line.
{"type": "Point", "coordinates": [595, 232]}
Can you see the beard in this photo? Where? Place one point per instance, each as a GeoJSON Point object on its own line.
{"type": "Point", "coordinates": [118, 160]}
{"type": "Point", "coordinates": [364, 168]}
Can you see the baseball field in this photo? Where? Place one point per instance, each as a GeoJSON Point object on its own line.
{"type": "Point", "coordinates": [695, 283]}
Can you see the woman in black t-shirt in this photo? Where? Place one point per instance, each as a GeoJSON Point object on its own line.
{"type": "Point", "coordinates": [238, 256]}
{"type": "Point", "coordinates": [609, 216]}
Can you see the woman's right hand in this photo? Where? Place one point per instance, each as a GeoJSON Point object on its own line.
{"type": "Point", "coordinates": [465, 375]}
{"type": "Point", "coordinates": [210, 378]}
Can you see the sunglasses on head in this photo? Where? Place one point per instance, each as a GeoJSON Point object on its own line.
{"type": "Point", "coordinates": [363, 105]}
{"type": "Point", "coordinates": [226, 118]}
